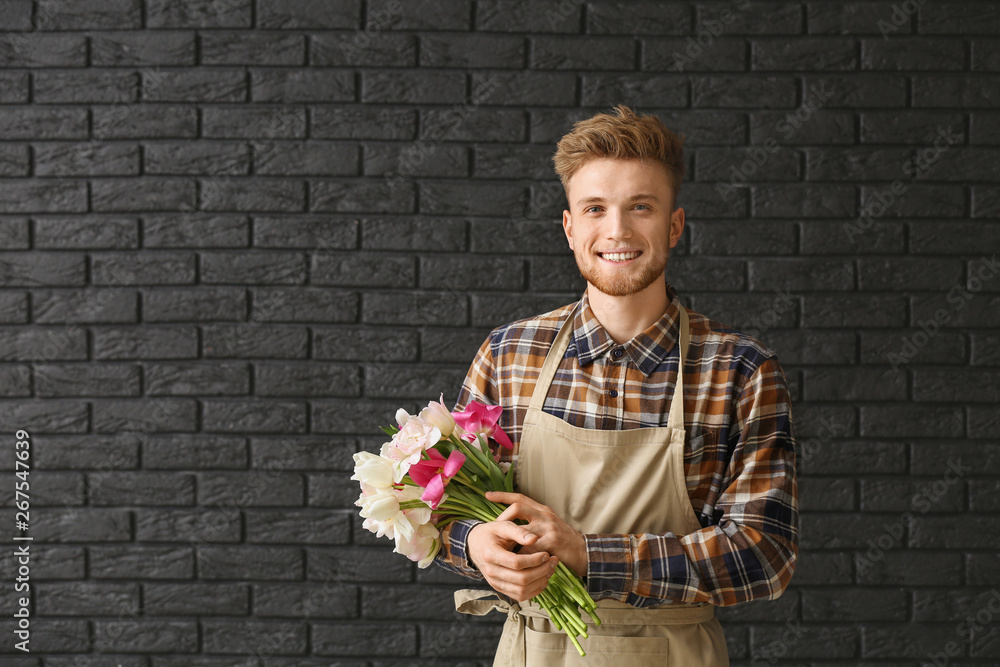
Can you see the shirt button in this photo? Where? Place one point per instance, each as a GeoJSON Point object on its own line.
{"type": "Point", "coordinates": [613, 393]}
{"type": "Point", "coordinates": [618, 352]}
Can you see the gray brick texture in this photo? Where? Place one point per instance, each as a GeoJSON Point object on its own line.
{"type": "Point", "coordinates": [237, 235]}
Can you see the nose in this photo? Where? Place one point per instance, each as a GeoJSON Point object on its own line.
{"type": "Point", "coordinates": [617, 224]}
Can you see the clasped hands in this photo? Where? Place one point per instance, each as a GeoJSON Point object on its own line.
{"type": "Point", "coordinates": [545, 540]}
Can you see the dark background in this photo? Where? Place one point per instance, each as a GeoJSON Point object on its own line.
{"type": "Point", "coordinates": [236, 237]}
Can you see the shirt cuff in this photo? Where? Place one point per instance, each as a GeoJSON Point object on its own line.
{"type": "Point", "coordinates": [456, 556]}
{"type": "Point", "coordinates": [610, 567]}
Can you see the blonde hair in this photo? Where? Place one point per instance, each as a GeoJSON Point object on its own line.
{"type": "Point", "coordinates": [624, 136]}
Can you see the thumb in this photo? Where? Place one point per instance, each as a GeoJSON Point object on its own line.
{"type": "Point", "coordinates": [511, 531]}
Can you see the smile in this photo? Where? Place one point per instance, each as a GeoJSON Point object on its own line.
{"type": "Point", "coordinates": [619, 256]}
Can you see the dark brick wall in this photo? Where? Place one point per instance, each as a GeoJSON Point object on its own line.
{"type": "Point", "coordinates": [237, 235]}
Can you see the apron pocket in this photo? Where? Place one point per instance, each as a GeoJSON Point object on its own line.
{"type": "Point", "coordinates": [554, 649]}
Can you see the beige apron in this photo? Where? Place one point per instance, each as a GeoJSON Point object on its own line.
{"type": "Point", "coordinates": [622, 482]}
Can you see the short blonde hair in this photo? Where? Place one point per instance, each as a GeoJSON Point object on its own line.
{"type": "Point", "coordinates": [623, 136]}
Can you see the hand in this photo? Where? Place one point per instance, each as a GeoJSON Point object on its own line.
{"type": "Point", "coordinates": [519, 576]}
{"type": "Point", "coordinates": [555, 536]}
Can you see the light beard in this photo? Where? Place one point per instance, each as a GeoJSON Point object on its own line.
{"type": "Point", "coordinates": [622, 285]}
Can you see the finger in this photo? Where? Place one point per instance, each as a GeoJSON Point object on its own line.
{"type": "Point", "coordinates": [526, 580]}
{"type": "Point", "coordinates": [508, 530]}
{"type": "Point", "coordinates": [508, 498]}
{"type": "Point", "coordinates": [518, 510]}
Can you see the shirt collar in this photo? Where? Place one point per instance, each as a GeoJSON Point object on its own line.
{"type": "Point", "coordinates": [647, 350]}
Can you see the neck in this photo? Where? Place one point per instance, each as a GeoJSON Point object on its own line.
{"type": "Point", "coordinates": [625, 317]}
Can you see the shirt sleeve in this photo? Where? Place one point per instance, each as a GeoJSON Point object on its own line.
{"type": "Point", "coordinates": [752, 550]}
{"type": "Point", "coordinates": [479, 385]}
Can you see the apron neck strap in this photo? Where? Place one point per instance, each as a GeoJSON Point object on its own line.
{"type": "Point", "coordinates": [561, 343]}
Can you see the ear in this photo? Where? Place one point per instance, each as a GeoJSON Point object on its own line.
{"type": "Point", "coordinates": [676, 226]}
{"type": "Point", "coordinates": [568, 228]}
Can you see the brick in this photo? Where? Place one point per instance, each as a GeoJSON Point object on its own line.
{"type": "Point", "coordinates": [419, 15]}
{"type": "Point", "coordinates": [86, 380]}
{"type": "Point", "coordinates": [849, 18]}
{"type": "Point", "coordinates": [958, 18]}
{"type": "Point", "coordinates": [583, 53]}
{"type": "Point", "coordinates": [474, 123]}
{"type": "Point", "coordinates": [14, 90]}
{"type": "Point", "coordinates": [940, 494]}
{"type": "Point", "coordinates": [363, 269]}
{"type": "Point", "coordinates": [44, 50]}
{"type": "Point", "coordinates": [154, 121]}
{"type": "Point", "coordinates": [140, 562]}
{"type": "Point", "coordinates": [899, 54]}
{"type": "Point", "coordinates": [903, 274]}
{"type": "Point", "coordinates": [332, 490]}
{"type": "Point", "coordinates": [85, 233]}
{"type": "Point", "coordinates": [982, 568]}
{"type": "Point", "coordinates": [145, 342]}
{"type": "Point", "coordinates": [758, 18]}
{"type": "Point", "coordinates": [195, 599]}
{"type": "Point", "coordinates": [408, 87]}
{"type": "Point", "coordinates": [43, 343]}
{"type": "Point", "coordinates": [855, 604]}
{"type": "Point", "coordinates": [198, 526]}
{"type": "Point", "coordinates": [360, 639]}
{"type": "Point", "coordinates": [85, 86]}
{"type": "Point", "coordinates": [302, 86]}
{"type": "Point", "coordinates": [985, 55]}
{"type": "Point", "coordinates": [956, 386]}
{"type": "Point", "coordinates": [562, 275]}
{"type": "Point", "coordinates": [802, 274]}
{"type": "Point", "coordinates": [742, 238]}
{"type": "Point", "coordinates": [640, 89]}
{"type": "Point", "coordinates": [308, 452]}
{"type": "Point", "coordinates": [856, 384]}
{"type": "Point", "coordinates": [158, 415]}
{"type": "Point", "coordinates": [362, 344]}
{"type": "Point", "coordinates": [985, 349]}
{"type": "Point", "coordinates": [237, 416]}
{"type": "Point", "coordinates": [805, 54]}
{"type": "Point", "coordinates": [472, 51]}
{"type": "Point", "coordinates": [225, 636]}
{"type": "Point", "coordinates": [17, 15]}
{"type": "Point", "coordinates": [849, 310]}
{"type": "Point", "coordinates": [362, 122]}
{"type": "Point", "coordinates": [911, 568]}
{"type": "Point", "coordinates": [416, 382]}
{"type": "Point", "coordinates": [40, 122]}
{"type": "Point", "coordinates": [246, 341]}
{"type": "Point", "coordinates": [408, 234]}
{"type": "Point", "coordinates": [414, 308]}
{"type": "Point", "coordinates": [252, 194]}
{"type": "Point", "coordinates": [251, 489]}
{"type": "Point", "coordinates": [306, 304]}
{"type": "Point", "coordinates": [617, 18]}
{"type": "Point", "coordinates": [201, 85]}
{"type": "Point", "coordinates": [305, 380]}
{"type": "Point", "coordinates": [199, 14]}
{"type": "Point", "coordinates": [802, 128]}
{"type": "Point", "coordinates": [81, 598]}
{"type": "Point", "coordinates": [933, 532]}
{"type": "Point", "coordinates": [55, 489]}
{"type": "Point", "coordinates": [250, 562]}
{"type": "Point", "coordinates": [464, 198]}
{"type": "Point", "coordinates": [305, 232]}
{"type": "Point", "coordinates": [149, 268]}
{"type": "Point", "coordinates": [36, 196]}
{"type": "Point", "coordinates": [728, 91]}
{"type": "Point", "coordinates": [200, 231]}
{"type": "Point", "coordinates": [511, 161]}
{"type": "Point", "coordinates": [288, 600]}
{"type": "Point", "coordinates": [142, 49]}
{"type": "Point", "coordinates": [825, 642]}
{"type": "Point", "coordinates": [13, 307]}
{"type": "Point", "coordinates": [297, 526]}
{"type": "Point", "coordinates": [315, 158]}
{"type": "Point", "coordinates": [196, 303]}
{"type": "Point", "coordinates": [934, 606]}
{"type": "Point", "coordinates": [87, 305]}
{"type": "Point", "coordinates": [15, 380]}
{"type": "Point", "coordinates": [243, 48]}
{"type": "Point", "coordinates": [142, 194]}
{"type": "Point", "coordinates": [820, 237]}
{"type": "Point", "coordinates": [352, 415]}
{"type": "Point", "coordinates": [737, 166]}
{"type": "Point", "coordinates": [82, 525]}
{"type": "Point", "coordinates": [910, 421]}
{"type": "Point", "coordinates": [217, 158]}
{"type": "Point", "coordinates": [678, 55]}
{"type": "Point", "coordinates": [90, 452]}
{"type": "Point", "coordinates": [243, 268]}
{"type": "Point", "coordinates": [196, 379]}
{"type": "Point", "coordinates": [371, 49]}
{"type": "Point", "coordinates": [289, 14]}
{"type": "Point", "coordinates": [936, 90]}
{"type": "Point", "coordinates": [966, 309]}
{"type": "Point", "coordinates": [35, 269]}
{"type": "Point", "coordinates": [415, 160]}
{"type": "Point", "coordinates": [494, 310]}
{"type": "Point", "coordinates": [361, 196]}
{"type": "Point", "coordinates": [147, 635]}
{"type": "Point", "coordinates": [827, 495]}
{"type": "Point", "coordinates": [191, 452]}
{"type": "Point", "coordinates": [50, 563]}
{"type": "Point", "coordinates": [985, 202]}
{"type": "Point", "coordinates": [435, 602]}
{"type": "Point", "coordinates": [14, 234]}
{"type": "Point", "coordinates": [516, 17]}
{"type": "Point", "coordinates": [851, 164]}
{"type": "Point", "coordinates": [91, 14]}
{"type": "Point", "coordinates": [810, 201]}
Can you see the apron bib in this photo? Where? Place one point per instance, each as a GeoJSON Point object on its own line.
{"type": "Point", "coordinates": [599, 481]}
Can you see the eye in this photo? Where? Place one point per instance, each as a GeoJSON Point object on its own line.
{"type": "Point", "coordinates": [644, 206]}
{"type": "Point", "coordinates": [590, 208]}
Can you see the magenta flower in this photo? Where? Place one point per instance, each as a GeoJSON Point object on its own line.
{"type": "Point", "coordinates": [480, 418]}
{"type": "Point", "coordinates": [434, 474]}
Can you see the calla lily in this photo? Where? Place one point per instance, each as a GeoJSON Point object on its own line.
{"type": "Point", "coordinates": [434, 474]}
{"type": "Point", "coordinates": [481, 419]}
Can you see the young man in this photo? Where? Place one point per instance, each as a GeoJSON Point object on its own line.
{"type": "Point", "coordinates": [669, 492]}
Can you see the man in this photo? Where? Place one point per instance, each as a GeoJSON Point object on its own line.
{"type": "Point", "coordinates": [669, 492]}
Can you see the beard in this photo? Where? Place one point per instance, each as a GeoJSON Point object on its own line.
{"type": "Point", "coordinates": [625, 283]}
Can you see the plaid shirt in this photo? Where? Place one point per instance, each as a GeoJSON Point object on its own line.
{"type": "Point", "coordinates": [739, 454]}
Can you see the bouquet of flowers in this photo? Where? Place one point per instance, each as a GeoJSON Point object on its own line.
{"type": "Point", "coordinates": [436, 468]}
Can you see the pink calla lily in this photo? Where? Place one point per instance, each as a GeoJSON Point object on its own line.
{"type": "Point", "coordinates": [480, 418]}
{"type": "Point", "coordinates": [434, 473]}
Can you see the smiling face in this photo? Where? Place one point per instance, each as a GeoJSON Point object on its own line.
{"type": "Point", "coordinates": [621, 224]}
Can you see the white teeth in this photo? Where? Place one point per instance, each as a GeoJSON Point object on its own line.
{"type": "Point", "coordinates": [619, 256]}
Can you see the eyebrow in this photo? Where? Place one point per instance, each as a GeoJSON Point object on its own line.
{"type": "Point", "coordinates": [593, 200]}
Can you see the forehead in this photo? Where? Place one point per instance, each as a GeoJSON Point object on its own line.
{"type": "Point", "coordinates": [612, 178]}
